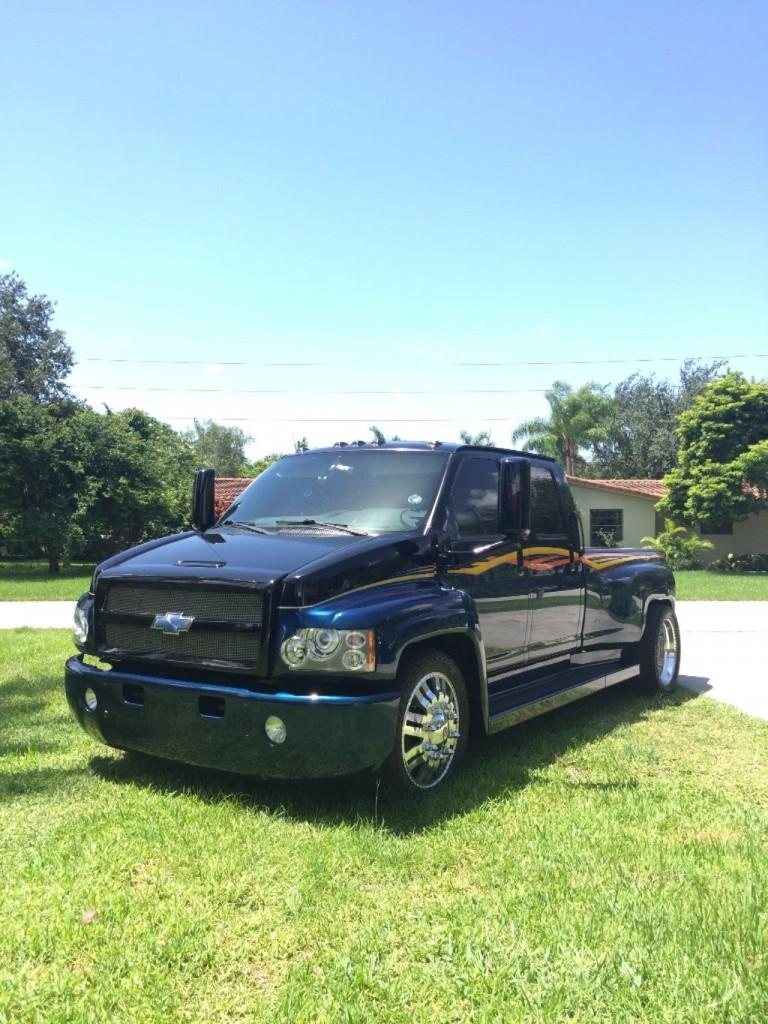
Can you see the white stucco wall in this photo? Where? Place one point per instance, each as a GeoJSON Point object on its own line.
{"type": "Point", "coordinates": [750, 536]}
{"type": "Point", "coordinates": [639, 512]}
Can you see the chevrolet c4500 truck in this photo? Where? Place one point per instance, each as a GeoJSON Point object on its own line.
{"type": "Point", "coordinates": [362, 607]}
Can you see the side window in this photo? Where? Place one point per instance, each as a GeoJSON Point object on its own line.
{"type": "Point", "coordinates": [475, 497]}
{"type": "Point", "coordinates": [547, 514]}
{"type": "Point", "coordinates": [512, 494]}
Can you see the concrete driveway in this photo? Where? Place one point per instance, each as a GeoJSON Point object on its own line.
{"type": "Point", "coordinates": [725, 645]}
{"type": "Point", "coordinates": [38, 614]}
{"type": "Point", "coordinates": [725, 652]}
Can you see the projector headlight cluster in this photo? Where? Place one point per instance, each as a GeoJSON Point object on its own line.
{"type": "Point", "coordinates": [81, 624]}
{"type": "Point", "coordinates": [331, 650]}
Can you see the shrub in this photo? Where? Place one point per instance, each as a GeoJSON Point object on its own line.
{"type": "Point", "coordinates": [740, 563]}
{"type": "Point", "coordinates": [682, 549]}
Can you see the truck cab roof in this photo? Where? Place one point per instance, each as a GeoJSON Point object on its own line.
{"type": "Point", "coordinates": [443, 446]}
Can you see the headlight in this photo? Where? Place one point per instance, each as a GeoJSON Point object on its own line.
{"type": "Point", "coordinates": [81, 623]}
{"type": "Point", "coordinates": [325, 642]}
{"type": "Point", "coordinates": [330, 650]}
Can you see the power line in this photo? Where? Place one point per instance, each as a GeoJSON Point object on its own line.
{"type": "Point", "coordinates": [300, 419]}
{"type": "Point", "coordinates": [392, 392]}
{"type": "Point", "coordinates": [520, 362]}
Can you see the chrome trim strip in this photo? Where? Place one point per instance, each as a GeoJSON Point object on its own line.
{"type": "Point", "coordinates": [621, 674]}
{"type": "Point", "coordinates": [594, 656]}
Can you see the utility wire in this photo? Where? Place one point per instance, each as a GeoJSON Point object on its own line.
{"type": "Point", "coordinates": [345, 419]}
{"type": "Point", "coordinates": [520, 362]}
{"type": "Point", "coordinates": [391, 392]}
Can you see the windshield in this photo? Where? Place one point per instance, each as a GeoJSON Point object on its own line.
{"type": "Point", "coordinates": [369, 491]}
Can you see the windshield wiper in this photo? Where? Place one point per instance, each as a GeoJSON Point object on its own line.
{"type": "Point", "coordinates": [244, 526]}
{"type": "Point", "coordinates": [316, 522]}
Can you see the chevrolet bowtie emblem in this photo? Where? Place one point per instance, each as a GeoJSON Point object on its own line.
{"type": "Point", "coordinates": [172, 623]}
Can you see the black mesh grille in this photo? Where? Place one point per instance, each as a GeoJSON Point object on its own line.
{"type": "Point", "coordinates": [226, 605]}
{"type": "Point", "coordinates": [197, 644]}
{"type": "Point", "coordinates": [238, 647]}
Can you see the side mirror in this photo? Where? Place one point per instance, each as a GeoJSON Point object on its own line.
{"type": "Point", "coordinates": [515, 505]}
{"type": "Point", "coordinates": [203, 514]}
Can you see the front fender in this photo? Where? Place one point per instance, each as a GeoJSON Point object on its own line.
{"type": "Point", "coordinates": [401, 615]}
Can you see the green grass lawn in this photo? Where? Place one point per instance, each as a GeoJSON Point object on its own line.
{"type": "Point", "coordinates": [603, 863]}
{"type": "Point", "coordinates": [30, 581]}
{"type": "Point", "coordinates": [721, 586]}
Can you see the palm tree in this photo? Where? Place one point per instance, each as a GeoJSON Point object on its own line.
{"type": "Point", "coordinates": [483, 439]}
{"type": "Point", "coordinates": [577, 420]}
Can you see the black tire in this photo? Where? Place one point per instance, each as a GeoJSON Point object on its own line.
{"type": "Point", "coordinates": [659, 651]}
{"type": "Point", "coordinates": [433, 690]}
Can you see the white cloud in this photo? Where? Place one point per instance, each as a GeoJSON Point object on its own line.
{"type": "Point", "coordinates": [5, 266]}
{"type": "Point", "coordinates": [213, 368]}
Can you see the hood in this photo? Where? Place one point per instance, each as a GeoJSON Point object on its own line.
{"type": "Point", "coordinates": [226, 553]}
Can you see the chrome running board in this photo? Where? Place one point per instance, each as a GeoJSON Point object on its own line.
{"type": "Point", "coordinates": [513, 716]}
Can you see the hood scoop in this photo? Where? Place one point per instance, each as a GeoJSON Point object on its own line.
{"type": "Point", "coordinates": [199, 564]}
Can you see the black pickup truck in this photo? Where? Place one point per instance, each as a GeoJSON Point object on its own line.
{"type": "Point", "coordinates": [360, 607]}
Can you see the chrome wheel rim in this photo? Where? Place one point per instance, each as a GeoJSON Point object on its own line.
{"type": "Point", "coordinates": [666, 652]}
{"type": "Point", "coordinates": [431, 730]}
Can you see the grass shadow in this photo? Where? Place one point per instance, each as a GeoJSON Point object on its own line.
{"type": "Point", "coordinates": [494, 766]}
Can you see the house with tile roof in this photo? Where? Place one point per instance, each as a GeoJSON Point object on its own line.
{"type": "Point", "coordinates": [622, 512]}
{"type": "Point", "coordinates": [617, 513]}
{"type": "Point", "coordinates": [227, 489]}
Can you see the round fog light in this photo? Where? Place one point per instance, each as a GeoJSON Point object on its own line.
{"type": "Point", "coordinates": [275, 729]}
{"type": "Point", "coordinates": [89, 699]}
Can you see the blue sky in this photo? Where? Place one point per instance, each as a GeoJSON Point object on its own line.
{"type": "Point", "coordinates": [388, 190]}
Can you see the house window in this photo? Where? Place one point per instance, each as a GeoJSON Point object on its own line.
{"type": "Point", "coordinates": [721, 530]}
{"type": "Point", "coordinates": [606, 527]}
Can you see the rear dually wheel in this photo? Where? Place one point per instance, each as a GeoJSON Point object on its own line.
{"type": "Point", "coordinates": [659, 651]}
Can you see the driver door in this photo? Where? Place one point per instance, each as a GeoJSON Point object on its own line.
{"type": "Point", "coordinates": [485, 563]}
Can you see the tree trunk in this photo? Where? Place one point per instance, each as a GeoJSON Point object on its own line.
{"type": "Point", "coordinates": [570, 458]}
{"type": "Point", "coordinates": [53, 562]}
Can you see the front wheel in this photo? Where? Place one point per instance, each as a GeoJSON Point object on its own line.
{"type": "Point", "coordinates": [432, 725]}
{"type": "Point", "coordinates": [659, 651]}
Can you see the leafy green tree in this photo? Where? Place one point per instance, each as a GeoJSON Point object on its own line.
{"type": "Point", "coordinates": [641, 436]}
{"type": "Point", "coordinates": [34, 356]}
{"type": "Point", "coordinates": [253, 469]}
{"type": "Point", "coordinates": [41, 473]}
{"type": "Point", "coordinates": [578, 421]}
{"type": "Point", "coordinates": [73, 481]}
{"type": "Point", "coordinates": [483, 439]}
{"type": "Point", "coordinates": [138, 481]}
{"type": "Point", "coordinates": [722, 471]}
{"type": "Point", "coordinates": [219, 447]}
